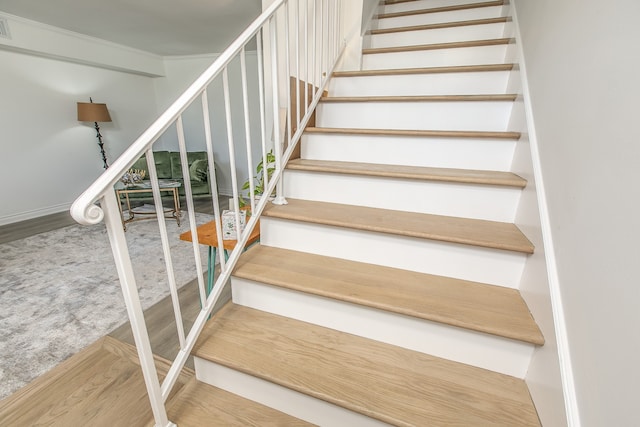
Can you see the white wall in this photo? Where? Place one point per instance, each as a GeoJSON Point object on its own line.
{"type": "Point", "coordinates": [582, 67]}
{"type": "Point", "coordinates": [48, 157]}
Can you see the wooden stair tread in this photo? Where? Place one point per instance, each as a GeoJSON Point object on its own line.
{"type": "Point", "coordinates": [436, 46]}
{"type": "Point", "coordinates": [419, 133]}
{"type": "Point", "coordinates": [199, 404]}
{"type": "Point", "coordinates": [467, 176]}
{"type": "Point", "coordinates": [425, 70]}
{"type": "Point", "coordinates": [440, 25]}
{"type": "Point", "coordinates": [476, 232]}
{"type": "Point", "coordinates": [388, 383]}
{"type": "Point", "coordinates": [421, 98]}
{"type": "Point", "coordinates": [441, 9]}
{"type": "Point", "coordinates": [476, 306]}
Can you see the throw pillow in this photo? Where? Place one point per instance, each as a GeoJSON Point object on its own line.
{"type": "Point", "coordinates": [198, 171]}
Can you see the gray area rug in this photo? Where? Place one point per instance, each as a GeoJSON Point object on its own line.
{"type": "Point", "coordinates": [59, 291]}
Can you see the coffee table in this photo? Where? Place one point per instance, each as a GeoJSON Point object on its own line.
{"type": "Point", "coordinates": [147, 211]}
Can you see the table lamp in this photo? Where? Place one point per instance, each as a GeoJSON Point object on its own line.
{"type": "Point", "coordinates": [94, 112]}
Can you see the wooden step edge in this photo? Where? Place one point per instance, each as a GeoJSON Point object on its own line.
{"type": "Point", "coordinates": [438, 46]}
{"type": "Point", "coordinates": [441, 228]}
{"type": "Point", "coordinates": [441, 9]}
{"type": "Point", "coordinates": [428, 70]}
{"type": "Point", "coordinates": [201, 404]}
{"type": "Point", "coordinates": [453, 24]}
{"type": "Point", "coordinates": [257, 267]}
{"type": "Point", "coordinates": [460, 176]}
{"type": "Point", "coordinates": [417, 133]}
{"type": "Point", "coordinates": [362, 375]}
{"type": "Point", "coordinates": [421, 98]}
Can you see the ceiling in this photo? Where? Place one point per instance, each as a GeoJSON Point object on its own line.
{"type": "Point", "coordinates": [163, 27]}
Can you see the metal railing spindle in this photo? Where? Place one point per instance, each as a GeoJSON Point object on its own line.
{"type": "Point", "coordinates": [166, 250]}
{"type": "Point", "coordinates": [190, 208]}
{"type": "Point", "coordinates": [247, 130]}
{"type": "Point", "coordinates": [232, 151]}
{"type": "Point", "coordinates": [212, 174]}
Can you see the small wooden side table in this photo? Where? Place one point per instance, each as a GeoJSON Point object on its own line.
{"type": "Point", "coordinates": [207, 235]}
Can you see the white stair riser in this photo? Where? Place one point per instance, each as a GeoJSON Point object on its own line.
{"type": "Point", "coordinates": [441, 35]}
{"type": "Point", "coordinates": [502, 268]}
{"type": "Point", "coordinates": [440, 198]}
{"type": "Point", "coordinates": [482, 154]}
{"type": "Point", "coordinates": [439, 17]}
{"type": "Point", "coordinates": [486, 351]}
{"type": "Point", "coordinates": [281, 398]}
{"type": "Point", "coordinates": [461, 115]}
{"type": "Point", "coordinates": [476, 83]}
{"type": "Point", "coordinates": [481, 55]}
{"type": "Point", "coordinates": [423, 4]}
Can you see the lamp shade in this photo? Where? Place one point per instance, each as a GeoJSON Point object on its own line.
{"type": "Point", "coordinates": [93, 112]}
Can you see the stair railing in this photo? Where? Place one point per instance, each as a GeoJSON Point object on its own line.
{"type": "Point", "coordinates": [310, 55]}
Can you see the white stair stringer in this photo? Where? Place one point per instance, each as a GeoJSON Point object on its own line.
{"type": "Point", "coordinates": [439, 17]}
{"type": "Point", "coordinates": [281, 398]}
{"type": "Point", "coordinates": [439, 35]}
{"type": "Point", "coordinates": [478, 201]}
{"type": "Point", "coordinates": [456, 115]}
{"type": "Point", "coordinates": [422, 4]}
{"type": "Point", "coordinates": [458, 153]}
{"type": "Point", "coordinates": [466, 83]}
{"type": "Point", "coordinates": [498, 354]}
{"type": "Point", "coordinates": [478, 264]}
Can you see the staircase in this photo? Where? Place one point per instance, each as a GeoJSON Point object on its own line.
{"type": "Point", "coordinates": [386, 290]}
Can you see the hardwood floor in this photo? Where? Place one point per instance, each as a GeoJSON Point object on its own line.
{"type": "Point", "coordinates": [31, 227]}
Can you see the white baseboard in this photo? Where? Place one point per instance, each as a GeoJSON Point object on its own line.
{"type": "Point", "coordinates": [35, 213]}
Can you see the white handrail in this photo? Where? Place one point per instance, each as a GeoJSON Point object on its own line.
{"type": "Point", "coordinates": [324, 57]}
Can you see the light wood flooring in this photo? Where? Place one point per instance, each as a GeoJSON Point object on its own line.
{"type": "Point", "coordinates": [100, 386]}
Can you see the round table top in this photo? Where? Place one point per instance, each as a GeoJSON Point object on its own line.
{"type": "Point", "coordinates": [162, 183]}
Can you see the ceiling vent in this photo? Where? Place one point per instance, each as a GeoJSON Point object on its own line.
{"type": "Point", "coordinates": [4, 28]}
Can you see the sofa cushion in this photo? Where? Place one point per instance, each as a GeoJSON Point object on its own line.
{"type": "Point", "coordinates": [162, 160]}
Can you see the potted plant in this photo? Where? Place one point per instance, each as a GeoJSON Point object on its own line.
{"type": "Point", "coordinates": [258, 179]}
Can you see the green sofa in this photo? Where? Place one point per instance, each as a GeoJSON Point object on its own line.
{"type": "Point", "coordinates": [168, 167]}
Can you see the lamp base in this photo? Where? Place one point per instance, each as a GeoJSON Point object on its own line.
{"type": "Point", "coordinates": [101, 144]}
